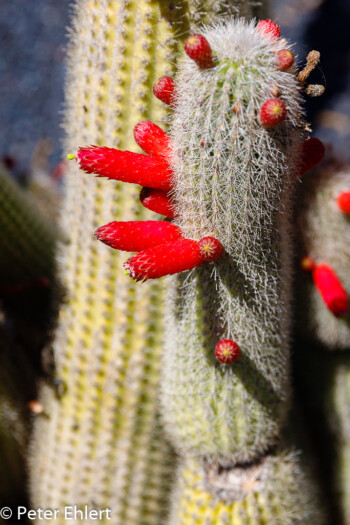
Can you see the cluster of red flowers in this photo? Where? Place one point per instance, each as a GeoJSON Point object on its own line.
{"type": "Point", "coordinates": [160, 246]}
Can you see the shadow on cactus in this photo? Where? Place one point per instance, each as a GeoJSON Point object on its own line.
{"type": "Point", "coordinates": [224, 177]}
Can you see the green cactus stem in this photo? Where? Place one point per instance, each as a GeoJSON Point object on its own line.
{"type": "Point", "coordinates": [234, 181]}
{"type": "Point", "coordinates": [101, 444]}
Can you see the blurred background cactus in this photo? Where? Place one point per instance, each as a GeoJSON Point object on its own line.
{"type": "Point", "coordinates": [97, 438]}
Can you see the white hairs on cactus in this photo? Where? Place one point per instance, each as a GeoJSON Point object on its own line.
{"type": "Point", "coordinates": [233, 180]}
{"type": "Point", "coordinates": [324, 235]}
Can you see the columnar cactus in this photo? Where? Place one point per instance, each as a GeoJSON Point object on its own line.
{"type": "Point", "coordinates": [101, 443]}
{"type": "Point", "coordinates": [225, 174]}
{"type": "Point", "coordinates": [323, 219]}
{"type": "Point", "coordinates": [234, 179]}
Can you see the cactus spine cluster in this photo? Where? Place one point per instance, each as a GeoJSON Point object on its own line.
{"type": "Point", "coordinates": [101, 443]}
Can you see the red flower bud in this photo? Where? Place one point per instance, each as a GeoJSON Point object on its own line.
{"type": "Point", "coordinates": [331, 289]}
{"type": "Point", "coordinates": [272, 112]}
{"type": "Point", "coordinates": [152, 139]}
{"type": "Point", "coordinates": [227, 351]}
{"type": "Point", "coordinates": [146, 170]}
{"type": "Point", "coordinates": [158, 201]}
{"type": "Point", "coordinates": [269, 28]}
{"type": "Point", "coordinates": [343, 201]}
{"type": "Point", "coordinates": [311, 152]}
{"type": "Point", "coordinates": [198, 48]}
{"type": "Point", "coordinates": [164, 90]}
{"type": "Point", "coordinates": [284, 59]}
{"type": "Point", "coordinates": [134, 236]}
{"type": "Point", "coordinates": [210, 249]}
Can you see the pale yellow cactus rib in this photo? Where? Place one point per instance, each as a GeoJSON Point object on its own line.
{"type": "Point", "coordinates": [101, 444]}
{"type": "Point", "coordinates": [273, 492]}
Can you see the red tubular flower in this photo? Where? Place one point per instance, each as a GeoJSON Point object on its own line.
{"type": "Point", "coordinates": [152, 139]}
{"type": "Point", "coordinates": [284, 59]}
{"type": "Point", "coordinates": [198, 49]}
{"type": "Point", "coordinates": [331, 289]}
{"type": "Point", "coordinates": [164, 90]}
{"type": "Point", "coordinates": [158, 201]}
{"type": "Point", "coordinates": [134, 236]}
{"type": "Point", "coordinates": [146, 170]}
{"type": "Point", "coordinates": [272, 112]}
{"type": "Point", "coordinates": [269, 28]}
{"type": "Point", "coordinates": [227, 351]}
{"type": "Point", "coordinates": [311, 152]}
{"type": "Point", "coordinates": [166, 259]}
{"type": "Point", "coordinates": [343, 201]}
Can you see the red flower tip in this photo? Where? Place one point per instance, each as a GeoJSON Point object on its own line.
{"type": "Point", "coordinates": [210, 249]}
{"type": "Point", "coordinates": [227, 351]}
{"type": "Point", "coordinates": [311, 152]}
{"type": "Point", "coordinates": [198, 49]}
{"type": "Point", "coordinates": [307, 264]}
{"type": "Point", "coordinates": [151, 138]}
{"type": "Point", "coordinates": [125, 166]}
{"type": "Point", "coordinates": [331, 289]}
{"type": "Point", "coordinates": [284, 59]}
{"type": "Point", "coordinates": [166, 259]}
{"type": "Point", "coordinates": [272, 112]}
{"type": "Point", "coordinates": [134, 236]}
{"type": "Point", "coordinates": [269, 28]}
{"type": "Point", "coordinates": [158, 201]}
{"type": "Point", "coordinates": [343, 201]}
{"type": "Point", "coordinates": [164, 90]}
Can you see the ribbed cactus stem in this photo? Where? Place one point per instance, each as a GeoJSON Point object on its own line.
{"type": "Point", "coordinates": [101, 444]}
{"type": "Point", "coordinates": [274, 491]}
{"type": "Point", "coordinates": [234, 181]}
{"type": "Point", "coordinates": [324, 236]}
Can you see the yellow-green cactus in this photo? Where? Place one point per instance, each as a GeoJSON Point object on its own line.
{"type": "Point", "coordinates": [101, 444]}
{"type": "Point", "coordinates": [274, 491]}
